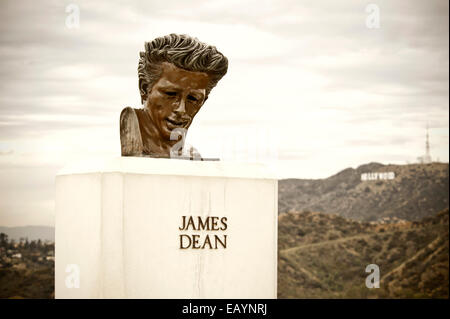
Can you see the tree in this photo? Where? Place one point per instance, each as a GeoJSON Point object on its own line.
{"type": "Point", "coordinates": [12, 242]}
{"type": "Point", "coordinates": [3, 240]}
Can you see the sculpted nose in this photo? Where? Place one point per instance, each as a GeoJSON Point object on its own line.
{"type": "Point", "coordinates": [180, 108]}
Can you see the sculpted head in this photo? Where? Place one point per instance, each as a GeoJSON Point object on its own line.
{"type": "Point", "coordinates": [176, 75]}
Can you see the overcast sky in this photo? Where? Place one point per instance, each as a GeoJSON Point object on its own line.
{"type": "Point", "coordinates": [310, 88]}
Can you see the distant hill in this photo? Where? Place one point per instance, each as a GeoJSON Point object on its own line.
{"type": "Point", "coordinates": [31, 232]}
{"type": "Point", "coordinates": [417, 191]}
{"type": "Point", "coordinates": [324, 256]}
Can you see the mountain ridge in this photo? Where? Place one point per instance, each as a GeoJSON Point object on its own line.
{"type": "Point", "coordinates": [417, 191]}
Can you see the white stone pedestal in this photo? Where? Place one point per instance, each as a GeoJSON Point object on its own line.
{"type": "Point", "coordinates": [118, 236]}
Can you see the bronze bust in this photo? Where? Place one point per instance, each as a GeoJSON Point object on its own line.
{"type": "Point", "coordinates": [176, 75]}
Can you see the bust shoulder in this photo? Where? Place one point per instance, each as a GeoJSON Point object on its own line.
{"type": "Point", "coordinates": [130, 134]}
{"type": "Point", "coordinates": [127, 112]}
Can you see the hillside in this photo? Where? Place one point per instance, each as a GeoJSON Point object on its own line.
{"type": "Point", "coordinates": [417, 191]}
{"type": "Point", "coordinates": [324, 256]}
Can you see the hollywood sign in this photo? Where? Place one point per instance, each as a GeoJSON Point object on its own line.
{"type": "Point", "coordinates": [373, 176]}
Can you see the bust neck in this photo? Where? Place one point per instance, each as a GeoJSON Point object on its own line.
{"type": "Point", "coordinates": [153, 145]}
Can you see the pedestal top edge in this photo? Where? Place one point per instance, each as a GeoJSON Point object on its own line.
{"type": "Point", "coordinates": [163, 166]}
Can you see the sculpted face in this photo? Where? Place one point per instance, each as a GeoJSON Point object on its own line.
{"type": "Point", "coordinates": [175, 99]}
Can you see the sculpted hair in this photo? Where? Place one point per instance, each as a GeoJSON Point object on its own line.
{"type": "Point", "coordinates": [183, 51]}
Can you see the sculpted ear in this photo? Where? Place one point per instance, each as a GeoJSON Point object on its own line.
{"type": "Point", "coordinates": [143, 86]}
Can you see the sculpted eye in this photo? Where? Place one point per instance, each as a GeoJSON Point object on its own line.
{"type": "Point", "coordinates": [192, 98]}
{"type": "Point", "coordinates": [170, 93]}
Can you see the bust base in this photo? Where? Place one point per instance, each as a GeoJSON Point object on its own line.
{"type": "Point", "coordinates": [118, 236]}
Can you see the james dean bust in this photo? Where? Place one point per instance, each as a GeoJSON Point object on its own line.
{"type": "Point", "coordinates": [176, 75]}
